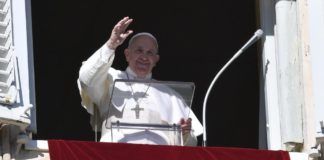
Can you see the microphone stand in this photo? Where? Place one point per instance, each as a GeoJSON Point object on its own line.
{"type": "Point", "coordinates": [253, 39]}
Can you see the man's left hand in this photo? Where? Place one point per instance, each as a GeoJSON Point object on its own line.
{"type": "Point", "coordinates": [185, 125]}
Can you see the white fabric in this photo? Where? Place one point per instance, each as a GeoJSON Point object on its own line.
{"type": "Point", "coordinates": [96, 79]}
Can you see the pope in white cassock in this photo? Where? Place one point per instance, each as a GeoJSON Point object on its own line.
{"type": "Point", "coordinates": [133, 102]}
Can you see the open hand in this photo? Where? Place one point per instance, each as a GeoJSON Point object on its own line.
{"type": "Point", "coordinates": [119, 33]}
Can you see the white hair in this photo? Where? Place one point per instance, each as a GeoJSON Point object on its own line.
{"type": "Point", "coordinates": [143, 34]}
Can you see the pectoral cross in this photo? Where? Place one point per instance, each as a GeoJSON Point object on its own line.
{"type": "Point", "coordinates": [137, 110]}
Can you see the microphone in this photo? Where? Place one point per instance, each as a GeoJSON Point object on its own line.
{"type": "Point", "coordinates": [257, 35]}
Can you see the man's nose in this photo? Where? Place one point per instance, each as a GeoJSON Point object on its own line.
{"type": "Point", "coordinates": [144, 56]}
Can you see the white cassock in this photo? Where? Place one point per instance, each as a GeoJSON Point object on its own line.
{"type": "Point", "coordinates": [159, 104]}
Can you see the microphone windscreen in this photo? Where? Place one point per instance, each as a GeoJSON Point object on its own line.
{"type": "Point", "coordinates": [259, 33]}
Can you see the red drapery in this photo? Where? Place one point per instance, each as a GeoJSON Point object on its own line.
{"type": "Point", "coordinates": [84, 150]}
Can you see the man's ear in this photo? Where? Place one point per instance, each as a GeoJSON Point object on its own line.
{"type": "Point", "coordinates": [126, 53]}
{"type": "Point", "coordinates": [157, 59]}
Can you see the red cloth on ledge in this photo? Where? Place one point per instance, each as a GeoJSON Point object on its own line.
{"type": "Point", "coordinates": [81, 150]}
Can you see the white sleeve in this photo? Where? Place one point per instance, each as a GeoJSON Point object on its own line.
{"type": "Point", "coordinates": [190, 140]}
{"type": "Point", "coordinates": [197, 129]}
{"type": "Point", "coordinates": [99, 62]}
{"type": "Point", "coordinates": [196, 125]}
{"type": "Point", "coordinates": [93, 79]}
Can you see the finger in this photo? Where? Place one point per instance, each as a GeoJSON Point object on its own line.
{"type": "Point", "coordinates": [182, 121]}
{"type": "Point", "coordinates": [126, 34]}
{"type": "Point", "coordinates": [186, 129]}
{"type": "Point", "coordinates": [186, 125]}
{"type": "Point", "coordinates": [119, 26]}
{"type": "Point", "coordinates": [125, 21]}
{"type": "Point", "coordinates": [122, 21]}
{"type": "Point", "coordinates": [124, 25]}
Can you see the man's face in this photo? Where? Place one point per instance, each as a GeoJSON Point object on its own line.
{"type": "Point", "coordinates": [142, 55]}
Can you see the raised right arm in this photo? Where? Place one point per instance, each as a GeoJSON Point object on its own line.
{"type": "Point", "coordinates": [94, 71]}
